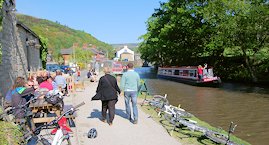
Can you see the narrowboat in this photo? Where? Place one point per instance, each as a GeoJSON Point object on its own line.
{"type": "Point", "coordinates": [189, 75]}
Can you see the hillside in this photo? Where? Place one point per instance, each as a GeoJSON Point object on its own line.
{"type": "Point", "coordinates": [60, 36]}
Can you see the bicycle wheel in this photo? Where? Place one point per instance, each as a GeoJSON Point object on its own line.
{"type": "Point", "coordinates": [218, 137]}
{"type": "Point", "coordinates": [68, 142]}
{"type": "Point", "coordinates": [160, 98]}
{"type": "Point", "coordinates": [170, 118]}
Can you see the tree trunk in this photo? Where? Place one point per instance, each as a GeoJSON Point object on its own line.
{"type": "Point", "coordinates": [250, 68]}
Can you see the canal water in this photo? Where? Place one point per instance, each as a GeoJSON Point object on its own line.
{"type": "Point", "coordinates": [246, 106]}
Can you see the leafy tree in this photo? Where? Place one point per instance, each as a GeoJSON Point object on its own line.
{"type": "Point", "coordinates": [241, 28]}
{"type": "Point", "coordinates": [190, 32]}
{"type": "Point", "coordinates": [43, 50]}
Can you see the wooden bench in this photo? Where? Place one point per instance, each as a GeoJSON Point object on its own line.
{"type": "Point", "coordinates": [49, 112]}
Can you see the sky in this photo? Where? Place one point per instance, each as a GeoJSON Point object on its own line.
{"type": "Point", "coordinates": [110, 21]}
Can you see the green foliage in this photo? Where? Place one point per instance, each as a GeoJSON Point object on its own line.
{"type": "Point", "coordinates": [195, 32]}
{"type": "Point", "coordinates": [60, 36]}
{"type": "Point", "coordinates": [9, 133]}
{"type": "Point", "coordinates": [43, 50]}
{"type": "Point", "coordinates": [82, 56]}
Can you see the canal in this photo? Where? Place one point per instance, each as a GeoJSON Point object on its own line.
{"type": "Point", "coordinates": [246, 106]}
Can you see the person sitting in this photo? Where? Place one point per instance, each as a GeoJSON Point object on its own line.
{"type": "Point", "coordinates": [21, 93]}
{"type": "Point", "coordinates": [46, 84]}
{"type": "Point", "coordinates": [60, 81]}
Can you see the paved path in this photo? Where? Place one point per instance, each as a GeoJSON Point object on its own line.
{"type": "Point", "coordinates": [122, 132]}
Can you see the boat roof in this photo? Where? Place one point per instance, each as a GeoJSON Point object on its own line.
{"type": "Point", "coordinates": [180, 67]}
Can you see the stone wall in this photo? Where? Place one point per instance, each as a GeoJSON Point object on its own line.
{"type": "Point", "coordinates": [31, 47]}
{"type": "Point", "coordinates": [14, 50]}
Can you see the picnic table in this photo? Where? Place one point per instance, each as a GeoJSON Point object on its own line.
{"type": "Point", "coordinates": [47, 112]}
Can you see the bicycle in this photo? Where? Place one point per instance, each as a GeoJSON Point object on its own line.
{"type": "Point", "coordinates": [157, 102]}
{"type": "Point", "coordinates": [60, 135]}
{"type": "Point", "coordinates": [221, 138]}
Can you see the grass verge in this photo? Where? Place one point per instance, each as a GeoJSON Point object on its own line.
{"type": "Point", "coordinates": [10, 133]}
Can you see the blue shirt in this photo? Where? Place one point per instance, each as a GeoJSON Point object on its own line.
{"type": "Point", "coordinates": [60, 81]}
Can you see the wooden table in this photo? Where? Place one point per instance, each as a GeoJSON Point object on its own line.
{"type": "Point", "coordinates": [46, 109]}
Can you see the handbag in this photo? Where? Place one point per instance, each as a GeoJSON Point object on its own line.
{"type": "Point", "coordinates": [97, 96]}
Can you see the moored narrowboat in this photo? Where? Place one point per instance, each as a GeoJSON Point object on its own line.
{"type": "Point", "coordinates": [189, 75]}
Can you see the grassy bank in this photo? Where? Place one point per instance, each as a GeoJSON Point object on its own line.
{"type": "Point", "coordinates": [10, 133]}
{"type": "Point", "coordinates": [183, 134]}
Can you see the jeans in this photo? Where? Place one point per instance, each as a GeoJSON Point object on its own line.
{"type": "Point", "coordinates": [131, 95]}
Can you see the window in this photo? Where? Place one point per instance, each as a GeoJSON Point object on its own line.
{"type": "Point", "coordinates": [185, 72]}
{"type": "Point", "coordinates": [176, 72]}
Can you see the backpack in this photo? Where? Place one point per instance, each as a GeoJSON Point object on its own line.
{"type": "Point", "coordinates": [55, 97]}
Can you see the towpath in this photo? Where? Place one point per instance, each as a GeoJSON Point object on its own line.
{"type": "Point", "coordinates": [122, 132]}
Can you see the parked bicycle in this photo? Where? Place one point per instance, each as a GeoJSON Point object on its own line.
{"type": "Point", "coordinates": [61, 134]}
{"type": "Point", "coordinates": [221, 138]}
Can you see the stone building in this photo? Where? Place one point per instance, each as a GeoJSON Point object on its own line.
{"type": "Point", "coordinates": [20, 48]}
{"type": "Point", "coordinates": [30, 43]}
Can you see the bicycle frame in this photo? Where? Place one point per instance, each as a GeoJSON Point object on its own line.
{"type": "Point", "coordinates": [59, 137]}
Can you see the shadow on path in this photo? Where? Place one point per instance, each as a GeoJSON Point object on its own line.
{"type": "Point", "coordinates": [97, 114]}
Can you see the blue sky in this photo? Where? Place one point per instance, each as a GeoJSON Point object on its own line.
{"type": "Point", "coordinates": [111, 21]}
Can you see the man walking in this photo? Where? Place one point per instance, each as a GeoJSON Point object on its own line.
{"type": "Point", "coordinates": [130, 82]}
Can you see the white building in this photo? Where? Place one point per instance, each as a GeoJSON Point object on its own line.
{"type": "Point", "coordinates": [125, 54]}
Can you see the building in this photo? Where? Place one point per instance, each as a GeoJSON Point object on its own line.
{"type": "Point", "coordinates": [68, 52]}
{"type": "Point", "coordinates": [125, 54]}
{"type": "Point", "coordinates": [67, 55]}
{"type": "Point", "coordinates": [20, 48]}
{"type": "Point", "coordinates": [30, 43]}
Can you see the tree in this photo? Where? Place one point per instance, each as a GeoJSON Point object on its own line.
{"type": "Point", "coordinates": [241, 27]}
{"type": "Point", "coordinates": [43, 50]}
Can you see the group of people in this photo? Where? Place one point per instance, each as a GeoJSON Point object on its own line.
{"type": "Point", "coordinates": [22, 89]}
{"type": "Point", "coordinates": [109, 90]}
{"type": "Point", "coordinates": [107, 87]}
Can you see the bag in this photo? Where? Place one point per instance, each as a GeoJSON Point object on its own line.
{"type": "Point", "coordinates": [97, 96]}
{"type": "Point", "coordinates": [54, 98]}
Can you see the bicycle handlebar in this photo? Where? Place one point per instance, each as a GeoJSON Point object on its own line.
{"type": "Point", "coordinates": [79, 105]}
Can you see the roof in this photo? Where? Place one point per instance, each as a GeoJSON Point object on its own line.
{"type": "Point", "coordinates": [95, 51]}
{"type": "Point", "coordinates": [27, 29]}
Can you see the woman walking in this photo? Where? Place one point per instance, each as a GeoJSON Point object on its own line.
{"type": "Point", "coordinates": [108, 89]}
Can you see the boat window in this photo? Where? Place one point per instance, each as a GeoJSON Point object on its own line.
{"type": "Point", "coordinates": [191, 73]}
{"type": "Point", "coordinates": [181, 72]}
{"type": "Point", "coordinates": [185, 72]}
{"type": "Point", "coordinates": [169, 72]}
{"type": "Point", "coordinates": [176, 72]}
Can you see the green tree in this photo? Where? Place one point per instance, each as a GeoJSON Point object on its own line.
{"type": "Point", "coordinates": [241, 29]}
{"type": "Point", "coordinates": [43, 51]}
